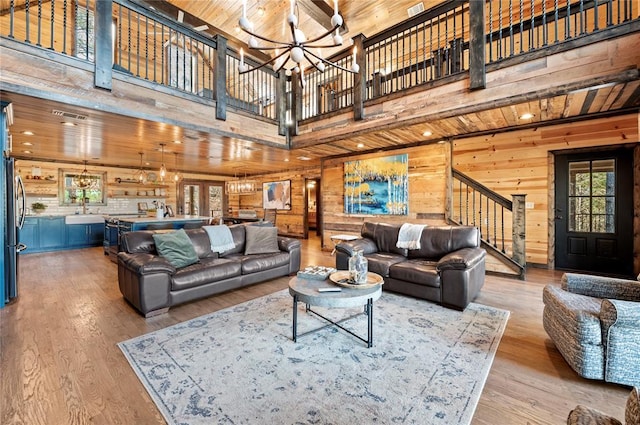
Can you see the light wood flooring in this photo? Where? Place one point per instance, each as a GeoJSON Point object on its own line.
{"type": "Point", "coordinates": [59, 363]}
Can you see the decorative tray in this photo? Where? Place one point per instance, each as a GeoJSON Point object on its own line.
{"type": "Point", "coordinates": [341, 278]}
{"type": "Point", "coordinates": [315, 272]}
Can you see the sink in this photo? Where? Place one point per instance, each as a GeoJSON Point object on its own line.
{"type": "Point", "coordinates": [84, 219]}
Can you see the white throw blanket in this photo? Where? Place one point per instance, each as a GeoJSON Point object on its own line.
{"type": "Point", "coordinates": [409, 236]}
{"type": "Point", "coordinates": [220, 237]}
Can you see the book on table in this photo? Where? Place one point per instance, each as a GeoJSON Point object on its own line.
{"type": "Point", "coordinates": [316, 272]}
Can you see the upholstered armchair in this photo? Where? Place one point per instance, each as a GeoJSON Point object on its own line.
{"type": "Point", "coordinates": [594, 322]}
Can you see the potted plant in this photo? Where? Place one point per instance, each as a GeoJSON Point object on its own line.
{"type": "Point", "coordinates": [38, 207]}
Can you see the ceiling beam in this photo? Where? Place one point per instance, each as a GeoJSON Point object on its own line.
{"type": "Point", "coordinates": [171, 11]}
{"type": "Point", "coordinates": [321, 12]}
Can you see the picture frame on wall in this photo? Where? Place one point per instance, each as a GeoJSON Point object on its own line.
{"type": "Point", "coordinates": [377, 185]}
{"type": "Point", "coordinates": [276, 195]}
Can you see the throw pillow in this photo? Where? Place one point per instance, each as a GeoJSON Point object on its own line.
{"type": "Point", "coordinates": [176, 247]}
{"type": "Point", "coordinates": [261, 240]}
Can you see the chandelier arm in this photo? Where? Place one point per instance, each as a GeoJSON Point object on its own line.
{"type": "Point", "coordinates": [327, 62]}
{"type": "Point", "coordinates": [264, 64]}
{"type": "Point", "coordinates": [311, 62]}
{"type": "Point", "coordinates": [323, 36]}
{"type": "Point", "coordinates": [281, 43]}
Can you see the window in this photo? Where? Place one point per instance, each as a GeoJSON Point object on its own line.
{"type": "Point", "coordinates": [72, 193]}
{"type": "Point", "coordinates": [84, 34]}
{"type": "Point", "coordinates": [592, 199]}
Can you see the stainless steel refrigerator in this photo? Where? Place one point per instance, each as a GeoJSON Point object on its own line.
{"type": "Point", "coordinates": [15, 214]}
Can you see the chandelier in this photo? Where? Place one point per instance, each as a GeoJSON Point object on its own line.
{"type": "Point", "coordinates": [85, 180]}
{"type": "Point", "coordinates": [241, 187]}
{"type": "Point", "coordinates": [298, 49]}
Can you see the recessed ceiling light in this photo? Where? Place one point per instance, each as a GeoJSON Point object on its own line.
{"type": "Point", "coordinates": [26, 151]}
{"type": "Point", "coordinates": [304, 158]}
{"type": "Point", "coordinates": [360, 145]}
{"type": "Point", "coordinates": [68, 123]}
{"type": "Point", "coordinates": [427, 133]}
{"type": "Point", "coordinates": [147, 163]}
{"type": "Point", "coordinates": [237, 30]}
{"type": "Point", "coordinates": [261, 11]}
{"type": "Point", "coordinates": [286, 160]}
{"type": "Point", "coordinates": [177, 142]}
{"type": "Point", "coordinates": [27, 133]}
{"type": "Point", "coordinates": [27, 143]}
{"type": "Point", "coordinates": [526, 116]}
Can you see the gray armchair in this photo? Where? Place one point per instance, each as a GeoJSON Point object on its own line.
{"type": "Point", "coordinates": [594, 322]}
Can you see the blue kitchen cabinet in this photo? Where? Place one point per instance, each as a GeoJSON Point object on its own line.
{"type": "Point", "coordinates": [51, 232]}
{"type": "Point", "coordinates": [82, 235]}
{"type": "Point", "coordinates": [28, 235]}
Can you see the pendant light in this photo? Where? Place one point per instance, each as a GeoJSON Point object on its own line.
{"type": "Point", "coordinates": [176, 174]}
{"type": "Point", "coordinates": [163, 169]}
{"type": "Point", "coordinates": [84, 180]}
{"type": "Point", "coordinates": [140, 175]}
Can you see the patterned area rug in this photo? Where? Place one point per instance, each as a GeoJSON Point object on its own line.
{"type": "Point", "coordinates": [428, 364]}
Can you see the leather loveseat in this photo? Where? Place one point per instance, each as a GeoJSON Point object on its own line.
{"type": "Point", "coordinates": [152, 285]}
{"type": "Point", "coordinates": [449, 267]}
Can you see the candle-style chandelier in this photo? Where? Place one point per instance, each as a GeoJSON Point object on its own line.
{"type": "Point", "coordinates": [84, 180]}
{"type": "Point", "coordinates": [298, 49]}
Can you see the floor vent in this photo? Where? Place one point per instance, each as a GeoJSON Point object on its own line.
{"type": "Point", "coordinates": [69, 115]}
{"type": "Point", "coordinates": [415, 9]}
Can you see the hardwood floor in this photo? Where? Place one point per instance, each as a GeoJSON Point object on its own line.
{"type": "Point", "coordinates": [59, 362]}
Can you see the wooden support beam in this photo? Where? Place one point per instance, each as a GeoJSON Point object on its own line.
{"type": "Point", "coordinates": [220, 75]}
{"type": "Point", "coordinates": [321, 12]}
{"type": "Point", "coordinates": [360, 80]}
{"type": "Point", "coordinates": [104, 45]}
{"type": "Point", "coordinates": [281, 102]}
{"type": "Point", "coordinates": [477, 71]}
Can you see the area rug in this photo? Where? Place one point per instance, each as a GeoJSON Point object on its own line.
{"type": "Point", "coordinates": [428, 364]}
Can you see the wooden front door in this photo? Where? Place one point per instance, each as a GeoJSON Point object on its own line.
{"type": "Point", "coordinates": [594, 212]}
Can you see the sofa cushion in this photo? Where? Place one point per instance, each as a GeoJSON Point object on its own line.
{"type": "Point", "coordinates": [208, 270]}
{"type": "Point", "coordinates": [238, 233]}
{"type": "Point", "coordinates": [176, 247]}
{"type": "Point", "coordinates": [261, 240]}
{"type": "Point", "coordinates": [138, 242]}
{"type": "Point", "coordinates": [380, 262]}
{"type": "Point", "coordinates": [259, 262]}
{"type": "Point", "coordinates": [200, 240]}
{"type": "Point", "coordinates": [385, 236]}
{"type": "Point", "coordinates": [440, 240]}
{"type": "Point", "coordinates": [420, 272]}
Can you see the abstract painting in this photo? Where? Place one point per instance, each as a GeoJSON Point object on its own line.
{"type": "Point", "coordinates": [377, 185]}
{"type": "Point", "coordinates": [276, 195]}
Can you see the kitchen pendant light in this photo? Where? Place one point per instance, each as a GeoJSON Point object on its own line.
{"type": "Point", "coordinates": [84, 180]}
{"type": "Point", "coordinates": [163, 169]}
{"type": "Point", "coordinates": [140, 175]}
{"type": "Point", "coordinates": [176, 175]}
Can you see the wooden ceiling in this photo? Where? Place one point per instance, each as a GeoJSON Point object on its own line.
{"type": "Point", "coordinates": [114, 140]}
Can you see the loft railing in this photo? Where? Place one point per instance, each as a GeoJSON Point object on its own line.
{"type": "Point", "coordinates": [501, 221]}
{"type": "Point", "coordinates": [428, 47]}
{"type": "Point", "coordinates": [145, 45]}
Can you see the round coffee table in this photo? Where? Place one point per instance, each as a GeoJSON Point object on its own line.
{"type": "Point", "coordinates": [307, 291]}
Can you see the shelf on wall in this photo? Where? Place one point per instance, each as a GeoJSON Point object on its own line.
{"type": "Point", "coordinates": [136, 196]}
{"type": "Point", "coordinates": [39, 181]}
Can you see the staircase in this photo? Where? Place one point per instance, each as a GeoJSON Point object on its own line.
{"type": "Point", "coordinates": [501, 222]}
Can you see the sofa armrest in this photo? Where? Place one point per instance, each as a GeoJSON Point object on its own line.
{"type": "Point", "coordinates": [142, 263]}
{"type": "Point", "coordinates": [288, 244]}
{"type": "Point", "coordinates": [349, 247]}
{"type": "Point", "coordinates": [620, 321]}
{"type": "Point", "coordinates": [461, 259]}
{"type": "Point", "coordinates": [601, 286]}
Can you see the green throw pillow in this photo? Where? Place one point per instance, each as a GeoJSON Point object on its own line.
{"type": "Point", "coordinates": [261, 240]}
{"type": "Point", "coordinates": [176, 247]}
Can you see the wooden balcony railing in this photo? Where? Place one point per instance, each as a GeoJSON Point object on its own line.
{"type": "Point", "coordinates": [440, 42]}
{"type": "Point", "coordinates": [501, 221]}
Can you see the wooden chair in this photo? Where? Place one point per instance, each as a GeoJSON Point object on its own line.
{"type": "Point", "coordinates": [271, 215]}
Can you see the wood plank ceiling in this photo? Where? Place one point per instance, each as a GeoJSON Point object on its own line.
{"type": "Point", "coordinates": [107, 139]}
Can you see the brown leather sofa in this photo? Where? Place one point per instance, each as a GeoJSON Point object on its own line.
{"type": "Point", "coordinates": [152, 285]}
{"type": "Point", "coordinates": [449, 267]}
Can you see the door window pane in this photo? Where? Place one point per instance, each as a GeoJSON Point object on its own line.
{"type": "Point", "coordinates": [592, 196]}
{"type": "Point", "coordinates": [192, 199]}
{"type": "Point", "coordinates": [215, 201]}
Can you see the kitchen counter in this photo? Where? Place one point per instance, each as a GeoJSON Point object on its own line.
{"type": "Point", "coordinates": [175, 219]}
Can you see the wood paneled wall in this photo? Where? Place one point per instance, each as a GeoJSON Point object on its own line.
{"type": "Point", "coordinates": [428, 175]}
{"type": "Point", "coordinates": [522, 162]}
